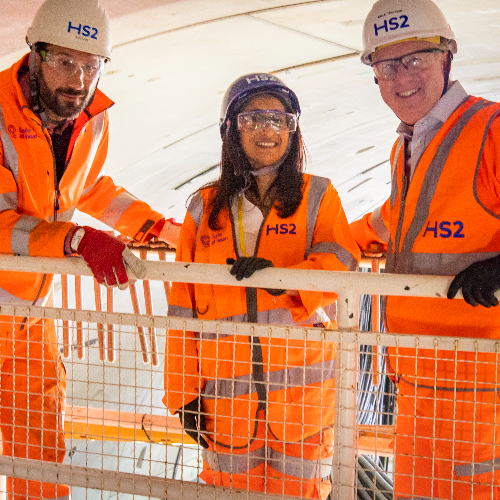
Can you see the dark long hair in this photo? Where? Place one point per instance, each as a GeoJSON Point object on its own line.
{"type": "Point", "coordinates": [235, 167]}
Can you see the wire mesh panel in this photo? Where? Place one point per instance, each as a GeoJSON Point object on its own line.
{"type": "Point", "coordinates": [276, 406]}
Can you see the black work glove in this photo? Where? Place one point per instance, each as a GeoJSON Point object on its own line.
{"type": "Point", "coordinates": [193, 421]}
{"type": "Point", "coordinates": [479, 282]}
{"type": "Point", "coordinates": [244, 267]}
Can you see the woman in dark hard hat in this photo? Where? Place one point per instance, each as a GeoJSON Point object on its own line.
{"type": "Point", "coordinates": [263, 408]}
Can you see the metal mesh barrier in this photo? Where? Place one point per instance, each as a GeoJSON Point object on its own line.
{"type": "Point", "coordinates": [271, 434]}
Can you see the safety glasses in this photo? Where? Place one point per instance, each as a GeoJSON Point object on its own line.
{"type": "Point", "coordinates": [66, 66]}
{"type": "Point", "coordinates": [257, 119]}
{"type": "Point", "coordinates": [413, 63]}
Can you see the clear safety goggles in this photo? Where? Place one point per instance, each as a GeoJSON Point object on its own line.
{"type": "Point", "coordinates": [413, 63]}
{"type": "Point", "coordinates": [66, 66]}
{"type": "Point", "coordinates": [257, 119]}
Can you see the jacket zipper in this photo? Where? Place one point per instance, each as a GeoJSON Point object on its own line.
{"type": "Point", "coordinates": [56, 208]}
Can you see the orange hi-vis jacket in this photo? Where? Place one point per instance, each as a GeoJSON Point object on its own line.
{"type": "Point", "coordinates": [445, 219]}
{"type": "Point", "coordinates": [294, 380]}
{"type": "Point", "coordinates": [34, 210]}
{"type": "Point", "coordinates": [438, 225]}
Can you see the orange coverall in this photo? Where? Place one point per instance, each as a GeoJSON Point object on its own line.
{"type": "Point", "coordinates": [35, 214]}
{"type": "Point", "coordinates": [446, 219]}
{"type": "Point", "coordinates": [269, 403]}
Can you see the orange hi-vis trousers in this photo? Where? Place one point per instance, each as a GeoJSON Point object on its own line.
{"type": "Point", "coordinates": [270, 465]}
{"type": "Point", "coordinates": [447, 443]}
{"type": "Point", "coordinates": [33, 399]}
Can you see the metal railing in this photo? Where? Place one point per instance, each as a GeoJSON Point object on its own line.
{"type": "Point", "coordinates": [348, 286]}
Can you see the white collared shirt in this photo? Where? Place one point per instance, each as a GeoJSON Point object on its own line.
{"type": "Point", "coordinates": [427, 127]}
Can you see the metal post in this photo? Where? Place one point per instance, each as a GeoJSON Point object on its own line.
{"type": "Point", "coordinates": [149, 310]}
{"type": "Point", "coordinates": [100, 328]}
{"type": "Point", "coordinates": [64, 289]}
{"type": "Point", "coordinates": [344, 463]}
{"type": "Point", "coordinates": [375, 325]}
{"type": "Point", "coordinates": [79, 330]}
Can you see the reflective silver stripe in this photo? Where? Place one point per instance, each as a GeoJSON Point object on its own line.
{"type": "Point", "coordinates": [229, 388]}
{"type": "Point", "coordinates": [488, 126]}
{"type": "Point", "coordinates": [20, 238]}
{"type": "Point", "coordinates": [182, 312]}
{"type": "Point", "coordinates": [379, 225]}
{"type": "Point", "coordinates": [87, 190]}
{"type": "Point", "coordinates": [7, 298]}
{"type": "Point", "coordinates": [11, 159]}
{"type": "Point", "coordinates": [97, 124]}
{"type": "Point", "coordinates": [292, 466]}
{"type": "Point", "coordinates": [317, 189]}
{"type": "Point", "coordinates": [329, 312]}
{"type": "Point", "coordinates": [279, 316]}
{"type": "Point", "coordinates": [117, 208]}
{"type": "Point", "coordinates": [390, 261]}
{"type": "Point", "coordinates": [97, 128]}
{"type": "Point", "coordinates": [394, 183]}
{"type": "Point", "coordinates": [339, 251]}
{"type": "Point", "coordinates": [429, 187]}
{"type": "Point", "coordinates": [474, 469]}
{"type": "Point", "coordinates": [8, 201]}
{"type": "Point", "coordinates": [299, 467]}
{"type": "Point", "coordinates": [301, 376]}
{"type": "Point", "coordinates": [278, 380]}
{"type": "Point", "coordinates": [195, 209]}
{"type": "Point", "coordinates": [235, 464]}
{"type": "Point", "coordinates": [63, 216]}
{"type": "Point", "coordinates": [446, 264]}
{"type": "Point", "coordinates": [283, 316]}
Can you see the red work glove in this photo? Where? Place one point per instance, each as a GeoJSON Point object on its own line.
{"type": "Point", "coordinates": [107, 257]}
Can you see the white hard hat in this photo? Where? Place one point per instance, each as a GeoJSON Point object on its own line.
{"type": "Point", "coordinates": [393, 21]}
{"type": "Point", "coordinates": [75, 24]}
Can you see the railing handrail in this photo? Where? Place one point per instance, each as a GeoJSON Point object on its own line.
{"type": "Point", "coordinates": [293, 279]}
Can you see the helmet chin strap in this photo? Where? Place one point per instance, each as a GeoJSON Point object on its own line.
{"type": "Point", "coordinates": [446, 73]}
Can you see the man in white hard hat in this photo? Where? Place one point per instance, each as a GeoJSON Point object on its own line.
{"type": "Point", "coordinates": [54, 139]}
{"type": "Point", "coordinates": [442, 218]}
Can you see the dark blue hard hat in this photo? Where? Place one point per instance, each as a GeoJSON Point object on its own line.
{"type": "Point", "coordinates": [249, 85]}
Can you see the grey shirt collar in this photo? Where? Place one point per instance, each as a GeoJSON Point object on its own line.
{"type": "Point", "coordinates": [426, 128]}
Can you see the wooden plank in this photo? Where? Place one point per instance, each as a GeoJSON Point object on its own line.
{"type": "Point", "coordinates": [111, 425]}
{"type": "Point", "coordinates": [376, 440]}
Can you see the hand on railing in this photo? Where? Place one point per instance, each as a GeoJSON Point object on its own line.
{"type": "Point", "coordinates": [375, 249]}
{"type": "Point", "coordinates": [108, 258]}
{"type": "Point", "coordinates": [479, 282]}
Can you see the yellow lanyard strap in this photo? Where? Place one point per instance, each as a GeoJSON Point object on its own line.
{"type": "Point", "coordinates": [241, 231]}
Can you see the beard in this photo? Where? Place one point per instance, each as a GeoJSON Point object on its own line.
{"type": "Point", "coordinates": [58, 105]}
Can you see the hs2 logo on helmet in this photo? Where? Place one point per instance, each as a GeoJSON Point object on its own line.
{"type": "Point", "coordinates": [85, 30]}
{"type": "Point", "coordinates": [392, 24]}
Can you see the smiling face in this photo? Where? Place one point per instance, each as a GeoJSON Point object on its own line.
{"type": "Point", "coordinates": [66, 96]}
{"type": "Point", "coordinates": [265, 146]}
{"type": "Point", "coordinates": [412, 96]}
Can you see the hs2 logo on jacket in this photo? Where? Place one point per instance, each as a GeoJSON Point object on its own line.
{"type": "Point", "coordinates": [445, 229]}
{"type": "Point", "coordinates": [281, 229]}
